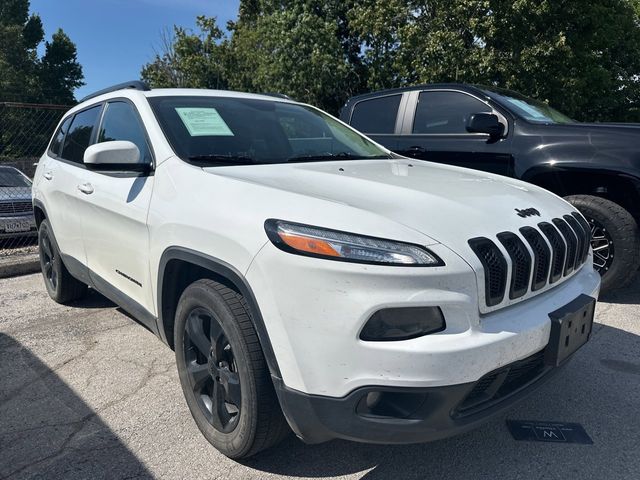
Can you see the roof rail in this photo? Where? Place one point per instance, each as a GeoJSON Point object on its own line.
{"type": "Point", "coordinates": [277, 95]}
{"type": "Point", "coordinates": [134, 85]}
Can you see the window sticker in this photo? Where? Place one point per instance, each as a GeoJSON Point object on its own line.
{"type": "Point", "coordinates": [203, 121]}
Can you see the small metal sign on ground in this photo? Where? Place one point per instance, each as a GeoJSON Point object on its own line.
{"type": "Point", "coordinates": [554, 432]}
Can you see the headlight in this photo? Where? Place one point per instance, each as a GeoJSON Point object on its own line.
{"type": "Point", "coordinates": [346, 247]}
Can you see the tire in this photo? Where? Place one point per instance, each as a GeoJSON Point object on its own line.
{"type": "Point", "coordinates": [616, 239]}
{"type": "Point", "coordinates": [61, 286]}
{"type": "Point", "coordinates": [227, 385]}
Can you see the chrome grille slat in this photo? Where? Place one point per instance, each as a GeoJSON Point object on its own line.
{"type": "Point", "coordinates": [550, 252]}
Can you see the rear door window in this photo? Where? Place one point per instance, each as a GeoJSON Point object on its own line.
{"type": "Point", "coordinates": [377, 115]}
{"type": "Point", "coordinates": [444, 112]}
{"type": "Point", "coordinates": [80, 133]}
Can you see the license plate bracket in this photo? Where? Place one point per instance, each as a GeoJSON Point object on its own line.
{"type": "Point", "coordinates": [571, 328]}
{"type": "Point", "coordinates": [18, 226]}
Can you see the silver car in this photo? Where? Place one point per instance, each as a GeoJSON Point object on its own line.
{"type": "Point", "coordinates": [16, 209]}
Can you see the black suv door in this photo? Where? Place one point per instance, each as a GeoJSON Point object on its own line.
{"type": "Point", "coordinates": [434, 129]}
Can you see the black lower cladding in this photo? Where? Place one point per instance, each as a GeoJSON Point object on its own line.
{"type": "Point", "coordinates": [411, 415]}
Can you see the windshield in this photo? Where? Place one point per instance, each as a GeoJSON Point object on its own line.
{"type": "Point", "coordinates": [240, 131]}
{"type": "Point", "coordinates": [532, 110]}
{"type": "Point", "coordinates": [10, 177]}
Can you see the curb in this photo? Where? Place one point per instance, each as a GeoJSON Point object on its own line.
{"type": "Point", "coordinates": [19, 265]}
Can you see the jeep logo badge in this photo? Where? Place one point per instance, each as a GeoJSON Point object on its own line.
{"type": "Point", "coordinates": [527, 212]}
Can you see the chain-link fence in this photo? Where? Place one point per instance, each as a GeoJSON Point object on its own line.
{"type": "Point", "coordinates": [25, 130]}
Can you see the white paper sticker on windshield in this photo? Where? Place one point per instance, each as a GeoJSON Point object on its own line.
{"type": "Point", "coordinates": [203, 122]}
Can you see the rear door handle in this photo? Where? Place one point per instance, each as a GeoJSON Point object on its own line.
{"type": "Point", "coordinates": [86, 188]}
{"type": "Point", "coordinates": [47, 175]}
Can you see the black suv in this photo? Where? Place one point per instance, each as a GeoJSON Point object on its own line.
{"type": "Point", "coordinates": [594, 166]}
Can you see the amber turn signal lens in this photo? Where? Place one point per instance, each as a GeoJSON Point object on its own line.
{"type": "Point", "coordinates": [306, 244]}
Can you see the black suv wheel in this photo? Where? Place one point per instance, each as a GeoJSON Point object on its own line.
{"type": "Point", "coordinates": [61, 285]}
{"type": "Point", "coordinates": [615, 239]}
{"type": "Point", "coordinates": [223, 372]}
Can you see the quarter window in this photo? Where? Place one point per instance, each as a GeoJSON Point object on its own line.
{"type": "Point", "coordinates": [445, 112]}
{"type": "Point", "coordinates": [377, 115]}
{"type": "Point", "coordinates": [58, 138]}
{"type": "Point", "coordinates": [79, 136]}
{"type": "Point", "coordinates": [120, 122]}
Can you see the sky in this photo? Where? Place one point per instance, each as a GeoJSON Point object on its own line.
{"type": "Point", "coordinates": [115, 38]}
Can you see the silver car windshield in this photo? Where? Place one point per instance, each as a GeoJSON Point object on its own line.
{"type": "Point", "coordinates": [10, 177]}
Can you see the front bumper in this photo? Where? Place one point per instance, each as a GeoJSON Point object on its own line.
{"type": "Point", "coordinates": [411, 415]}
{"type": "Point", "coordinates": [315, 309]}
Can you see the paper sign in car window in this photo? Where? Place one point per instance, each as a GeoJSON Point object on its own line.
{"type": "Point", "coordinates": [202, 122]}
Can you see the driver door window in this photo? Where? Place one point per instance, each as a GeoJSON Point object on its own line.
{"type": "Point", "coordinates": [120, 122]}
{"type": "Point", "coordinates": [445, 112]}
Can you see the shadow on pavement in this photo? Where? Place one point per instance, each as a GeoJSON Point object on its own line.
{"type": "Point", "coordinates": [599, 388]}
{"type": "Point", "coordinates": [47, 431]}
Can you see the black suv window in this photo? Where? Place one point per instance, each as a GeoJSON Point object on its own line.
{"type": "Point", "coordinates": [79, 136]}
{"type": "Point", "coordinates": [58, 138]}
{"type": "Point", "coordinates": [120, 122]}
{"type": "Point", "coordinates": [445, 112]}
{"type": "Point", "coordinates": [377, 115]}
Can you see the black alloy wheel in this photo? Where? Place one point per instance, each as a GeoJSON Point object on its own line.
{"type": "Point", "coordinates": [60, 284]}
{"type": "Point", "coordinates": [223, 373]}
{"type": "Point", "coordinates": [212, 370]}
{"type": "Point", "coordinates": [48, 256]}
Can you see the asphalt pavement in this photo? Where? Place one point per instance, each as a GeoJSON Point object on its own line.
{"type": "Point", "coordinates": [88, 393]}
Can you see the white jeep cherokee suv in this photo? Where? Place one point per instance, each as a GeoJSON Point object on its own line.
{"type": "Point", "coordinates": [306, 277]}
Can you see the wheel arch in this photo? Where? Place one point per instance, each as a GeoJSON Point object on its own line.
{"type": "Point", "coordinates": [179, 267]}
{"type": "Point", "coordinates": [39, 212]}
{"type": "Point", "coordinates": [620, 188]}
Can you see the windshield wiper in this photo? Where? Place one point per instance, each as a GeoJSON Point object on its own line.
{"type": "Point", "coordinates": [222, 159]}
{"type": "Point", "coordinates": [333, 156]}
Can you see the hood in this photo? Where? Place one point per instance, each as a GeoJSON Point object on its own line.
{"type": "Point", "coordinates": [448, 204]}
{"type": "Point", "coordinates": [12, 194]}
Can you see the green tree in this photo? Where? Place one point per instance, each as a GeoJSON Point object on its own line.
{"type": "Point", "coordinates": [190, 59]}
{"type": "Point", "coordinates": [302, 49]}
{"type": "Point", "coordinates": [60, 72]}
{"type": "Point", "coordinates": [581, 56]}
{"type": "Point", "coordinates": [23, 75]}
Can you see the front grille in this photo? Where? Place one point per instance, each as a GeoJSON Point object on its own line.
{"type": "Point", "coordinates": [15, 208]}
{"type": "Point", "coordinates": [502, 383]}
{"type": "Point", "coordinates": [561, 248]}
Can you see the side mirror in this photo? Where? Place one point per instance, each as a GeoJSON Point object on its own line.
{"type": "Point", "coordinates": [113, 154]}
{"type": "Point", "coordinates": [485, 123]}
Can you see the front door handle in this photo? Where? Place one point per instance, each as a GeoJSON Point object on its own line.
{"type": "Point", "coordinates": [86, 188]}
{"type": "Point", "coordinates": [48, 175]}
{"type": "Point", "coordinates": [417, 149]}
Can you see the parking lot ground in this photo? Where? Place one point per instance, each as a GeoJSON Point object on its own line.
{"type": "Point", "coordinates": [86, 392]}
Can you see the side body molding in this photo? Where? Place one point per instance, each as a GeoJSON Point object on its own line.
{"type": "Point", "coordinates": [222, 269]}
